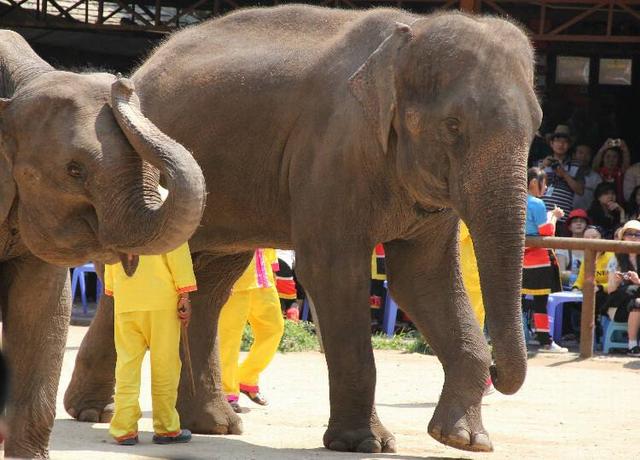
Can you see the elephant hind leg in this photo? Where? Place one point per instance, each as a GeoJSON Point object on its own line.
{"type": "Point", "coordinates": [89, 396]}
{"type": "Point", "coordinates": [208, 412]}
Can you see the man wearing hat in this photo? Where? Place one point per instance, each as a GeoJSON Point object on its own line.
{"type": "Point", "coordinates": [565, 178]}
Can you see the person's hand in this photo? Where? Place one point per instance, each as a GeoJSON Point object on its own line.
{"type": "Point", "coordinates": [557, 212]}
{"type": "Point", "coordinates": [623, 145]}
{"type": "Point", "coordinates": [613, 206]}
{"type": "Point", "coordinates": [547, 161]}
{"type": "Point", "coordinates": [184, 309]}
{"type": "Point", "coordinates": [633, 277]}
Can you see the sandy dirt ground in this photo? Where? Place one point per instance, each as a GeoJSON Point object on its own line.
{"type": "Point", "coordinates": [568, 408]}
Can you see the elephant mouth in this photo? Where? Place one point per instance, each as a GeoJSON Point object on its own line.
{"type": "Point", "coordinates": [129, 263]}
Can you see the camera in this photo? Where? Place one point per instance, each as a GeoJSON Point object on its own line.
{"type": "Point", "coordinates": [555, 164]}
{"type": "Point", "coordinates": [616, 142]}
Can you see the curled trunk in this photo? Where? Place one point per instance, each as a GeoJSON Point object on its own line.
{"type": "Point", "coordinates": [151, 226]}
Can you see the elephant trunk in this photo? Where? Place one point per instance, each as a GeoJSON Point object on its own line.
{"type": "Point", "coordinates": [498, 236]}
{"type": "Point", "coordinates": [150, 225]}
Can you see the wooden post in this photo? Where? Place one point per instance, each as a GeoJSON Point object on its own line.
{"type": "Point", "coordinates": [587, 322]}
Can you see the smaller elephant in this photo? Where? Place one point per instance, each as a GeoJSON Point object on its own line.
{"type": "Point", "coordinates": [34, 296]}
{"type": "Point", "coordinates": [42, 184]}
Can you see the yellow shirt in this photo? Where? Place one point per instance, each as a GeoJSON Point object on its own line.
{"type": "Point", "coordinates": [259, 273]}
{"type": "Point", "coordinates": [602, 274]}
{"type": "Point", "coordinates": [156, 283]}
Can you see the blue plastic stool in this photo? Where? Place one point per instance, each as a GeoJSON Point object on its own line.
{"type": "Point", "coordinates": [555, 309]}
{"type": "Point", "coordinates": [305, 310]}
{"type": "Point", "coordinates": [615, 335]}
{"type": "Point", "coordinates": [78, 276]}
{"type": "Point", "coordinates": [390, 313]}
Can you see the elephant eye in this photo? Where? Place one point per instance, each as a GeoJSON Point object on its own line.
{"type": "Point", "coordinates": [75, 169]}
{"type": "Point", "coordinates": [453, 125]}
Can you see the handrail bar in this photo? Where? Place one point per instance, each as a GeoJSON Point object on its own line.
{"type": "Point", "coordinates": [590, 247]}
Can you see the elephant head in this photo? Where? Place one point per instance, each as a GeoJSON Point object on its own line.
{"type": "Point", "coordinates": [85, 164]}
{"type": "Point", "coordinates": [452, 102]}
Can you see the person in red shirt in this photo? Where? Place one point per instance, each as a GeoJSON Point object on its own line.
{"type": "Point", "coordinates": [540, 274]}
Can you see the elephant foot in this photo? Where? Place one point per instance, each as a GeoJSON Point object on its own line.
{"type": "Point", "coordinates": [13, 451]}
{"type": "Point", "coordinates": [455, 426]}
{"type": "Point", "coordinates": [92, 414]}
{"type": "Point", "coordinates": [213, 417]}
{"type": "Point", "coordinates": [86, 405]}
{"type": "Point", "coordinates": [371, 440]}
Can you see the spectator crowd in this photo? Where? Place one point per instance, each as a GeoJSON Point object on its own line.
{"type": "Point", "coordinates": [592, 196]}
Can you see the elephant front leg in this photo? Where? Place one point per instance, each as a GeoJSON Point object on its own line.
{"type": "Point", "coordinates": [89, 396]}
{"type": "Point", "coordinates": [340, 293]}
{"type": "Point", "coordinates": [208, 412]}
{"type": "Point", "coordinates": [37, 307]}
{"type": "Point", "coordinates": [425, 280]}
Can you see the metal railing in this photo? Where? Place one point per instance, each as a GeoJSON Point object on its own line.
{"type": "Point", "coordinates": [590, 247]}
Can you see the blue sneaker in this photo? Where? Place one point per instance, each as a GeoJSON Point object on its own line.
{"type": "Point", "coordinates": [127, 440]}
{"type": "Point", "coordinates": [183, 436]}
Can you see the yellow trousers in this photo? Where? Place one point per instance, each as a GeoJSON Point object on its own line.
{"type": "Point", "coordinates": [261, 307]}
{"type": "Point", "coordinates": [471, 279]}
{"type": "Point", "coordinates": [135, 333]}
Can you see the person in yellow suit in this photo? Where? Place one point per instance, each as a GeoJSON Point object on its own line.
{"type": "Point", "coordinates": [254, 298]}
{"type": "Point", "coordinates": [149, 306]}
{"type": "Point", "coordinates": [471, 280]}
{"type": "Point", "coordinates": [470, 275]}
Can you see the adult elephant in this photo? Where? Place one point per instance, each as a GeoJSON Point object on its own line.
{"type": "Point", "coordinates": [71, 188]}
{"type": "Point", "coordinates": [329, 131]}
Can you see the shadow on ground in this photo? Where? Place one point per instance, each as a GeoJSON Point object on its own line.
{"type": "Point", "coordinates": [410, 405]}
{"type": "Point", "coordinates": [93, 439]}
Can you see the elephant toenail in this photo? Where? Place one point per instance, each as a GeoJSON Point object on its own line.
{"type": "Point", "coordinates": [435, 431]}
{"type": "Point", "coordinates": [389, 446]}
{"type": "Point", "coordinates": [338, 445]}
{"type": "Point", "coordinates": [481, 442]}
{"type": "Point", "coordinates": [236, 428]}
{"type": "Point", "coordinates": [370, 446]}
{"type": "Point", "coordinates": [89, 415]}
{"type": "Point", "coordinates": [460, 436]}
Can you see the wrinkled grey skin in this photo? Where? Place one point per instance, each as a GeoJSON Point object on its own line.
{"type": "Point", "coordinates": [73, 187]}
{"type": "Point", "coordinates": [328, 131]}
{"type": "Point", "coordinates": [36, 304]}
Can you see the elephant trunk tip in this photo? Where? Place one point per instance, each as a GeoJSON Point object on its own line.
{"type": "Point", "coordinates": [507, 383]}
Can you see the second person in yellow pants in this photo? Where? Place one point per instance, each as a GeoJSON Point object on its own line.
{"type": "Point", "coordinates": [254, 298]}
{"type": "Point", "coordinates": [470, 275]}
{"type": "Point", "coordinates": [471, 279]}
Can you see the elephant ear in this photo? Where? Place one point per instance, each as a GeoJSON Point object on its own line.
{"type": "Point", "coordinates": [7, 184]}
{"type": "Point", "coordinates": [373, 83]}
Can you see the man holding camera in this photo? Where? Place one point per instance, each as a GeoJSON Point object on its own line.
{"type": "Point", "coordinates": [565, 178]}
